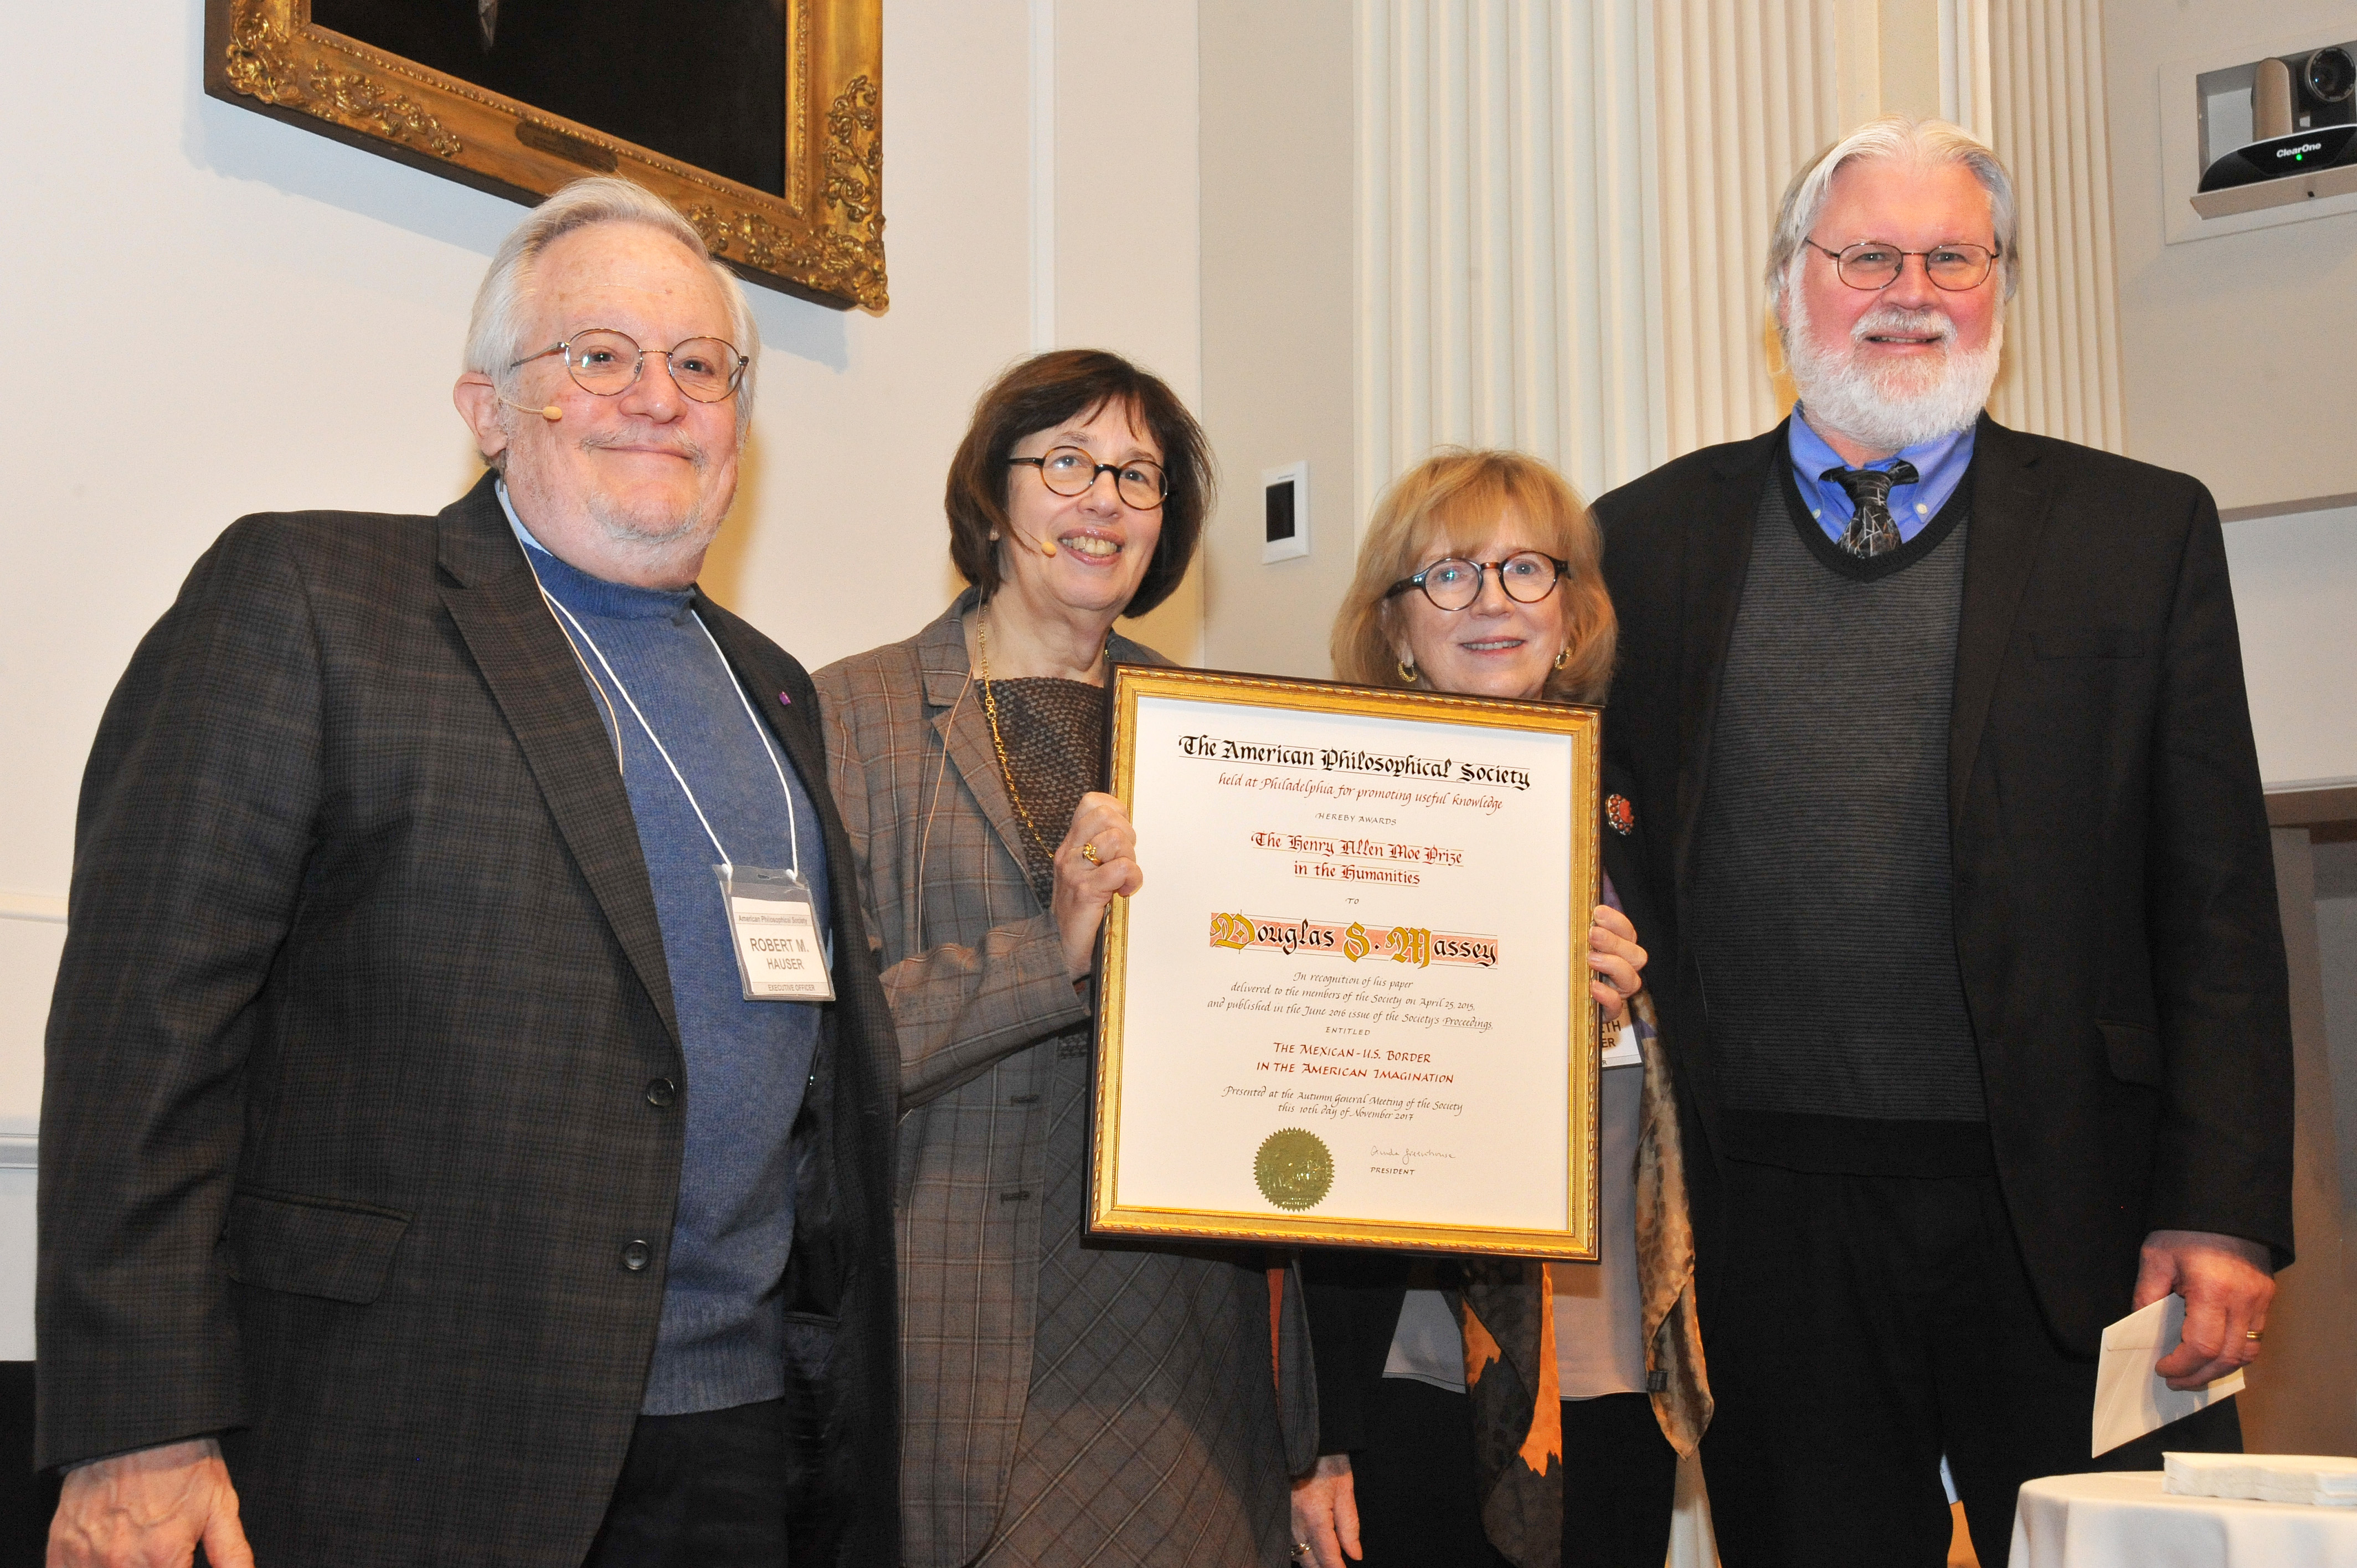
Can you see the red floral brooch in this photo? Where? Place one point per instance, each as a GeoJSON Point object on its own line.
{"type": "Point", "coordinates": [1619, 815]}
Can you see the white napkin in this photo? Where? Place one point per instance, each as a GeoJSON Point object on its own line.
{"type": "Point", "coordinates": [2131, 1399]}
{"type": "Point", "coordinates": [2328, 1479]}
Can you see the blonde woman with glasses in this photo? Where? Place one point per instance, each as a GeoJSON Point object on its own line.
{"type": "Point", "coordinates": [1479, 576]}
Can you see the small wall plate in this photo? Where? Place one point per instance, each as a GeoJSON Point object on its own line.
{"type": "Point", "coordinates": [1284, 509]}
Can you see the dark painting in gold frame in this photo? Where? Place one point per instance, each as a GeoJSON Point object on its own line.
{"type": "Point", "coordinates": [819, 234]}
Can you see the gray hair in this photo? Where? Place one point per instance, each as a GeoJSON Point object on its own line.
{"type": "Point", "coordinates": [495, 333]}
{"type": "Point", "coordinates": [1924, 142]}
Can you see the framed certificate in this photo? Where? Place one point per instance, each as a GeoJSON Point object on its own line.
{"type": "Point", "coordinates": [1349, 1003]}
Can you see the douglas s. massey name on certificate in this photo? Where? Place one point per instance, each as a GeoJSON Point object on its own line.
{"type": "Point", "coordinates": [1350, 1002]}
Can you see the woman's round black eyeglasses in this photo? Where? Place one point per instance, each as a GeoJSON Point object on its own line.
{"type": "Point", "coordinates": [1073, 471]}
{"type": "Point", "coordinates": [1452, 583]}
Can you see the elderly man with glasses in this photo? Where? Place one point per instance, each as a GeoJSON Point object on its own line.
{"type": "Point", "coordinates": [1975, 698]}
{"type": "Point", "coordinates": [469, 1093]}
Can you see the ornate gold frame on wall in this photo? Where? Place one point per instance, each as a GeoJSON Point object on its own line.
{"type": "Point", "coordinates": [823, 240]}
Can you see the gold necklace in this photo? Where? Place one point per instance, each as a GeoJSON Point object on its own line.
{"type": "Point", "coordinates": [990, 706]}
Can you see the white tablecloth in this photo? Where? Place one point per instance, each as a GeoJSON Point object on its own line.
{"type": "Point", "coordinates": [2123, 1520]}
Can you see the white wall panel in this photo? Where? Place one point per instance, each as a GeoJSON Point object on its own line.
{"type": "Point", "coordinates": [1277, 321]}
{"type": "Point", "coordinates": [1124, 230]}
{"type": "Point", "coordinates": [1504, 251]}
{"type": "Point", "coordinates": [2045, 85]}
{"type": "Point", "coordinates": [28, 968]}
{"type": "Point", "coordinates": [1749, 91]}
{"type": "Point", "coordinates": [2227, 341]}
{"type": "Point", "coordinates": [1964, 88]}
{"type": "Point", "coordinates": [2295, 585]}
{"type": "Point", "coordinates": [16, 1227]}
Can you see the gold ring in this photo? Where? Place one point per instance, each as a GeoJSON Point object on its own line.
{"type": "Point", "coordinates": [1089, 853]}
{"type": "Point", "coordinates": [2252, 1334]}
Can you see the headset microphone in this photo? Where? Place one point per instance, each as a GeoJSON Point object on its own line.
{"type": "Point", "coordinates": [549, 412]}
{"type": "Point", "coordinates": [1041, 545]}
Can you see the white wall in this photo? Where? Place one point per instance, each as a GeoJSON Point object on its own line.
{"type": "Point", "coordinates": [1276, 320]}
{"type": "Point", "coordinates": [2226, 344]}
{"type": "Point", "coordinates": [218, 313]}
{"type": "Point", "coordinates": [1128, 264]}
{"type": "Point", "coordinates": [2296, 597]}
{"type": "Point", "coordinates": [2225, 338]}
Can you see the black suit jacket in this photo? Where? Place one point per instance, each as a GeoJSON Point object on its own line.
{"type": "Point", "coordinates": [1353, 1295]}
{"type": "Point", "coordinates": [2116, 912]}
{"type": "Point", "coordinates": [347, 1121]}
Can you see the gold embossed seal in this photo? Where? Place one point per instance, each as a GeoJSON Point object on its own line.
{"type": "Point", "coordinates": [1294, 1168]}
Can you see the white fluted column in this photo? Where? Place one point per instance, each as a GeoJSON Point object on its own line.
{"type": "Point", "coordinates": [1964, 88]}
{"type": "Point", "coordinates": [1563, 211]}
{"type": "Point", "coordinates": [2042, 73]}
{"type": "Point", "coordinates": [1748, 90]}
{"type": "Point", "coordinates": [1503, 287]}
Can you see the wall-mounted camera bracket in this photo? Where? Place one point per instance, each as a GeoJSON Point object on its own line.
{"type": "Point", "coordinates": [2257, 136]}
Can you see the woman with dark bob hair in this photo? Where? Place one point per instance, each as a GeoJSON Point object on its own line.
{"type": "Point", "coordinates": [1065, 1401]}
{"type": "Point", "coordinates": [1495, 1410]}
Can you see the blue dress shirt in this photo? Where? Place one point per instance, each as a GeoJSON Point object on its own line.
{"type": "Point", "coordinates": [1939, 468]}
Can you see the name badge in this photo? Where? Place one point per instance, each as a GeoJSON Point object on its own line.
{"type": "Point", "coordinates": [773, 926]}
{"type": "Point", "coordinates": [1623, 1051]}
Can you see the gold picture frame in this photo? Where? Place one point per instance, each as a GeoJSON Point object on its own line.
{"type": "Point", "coordinates": [820, 236]}
{"type": "Point", "coordinates": [1157, 791]}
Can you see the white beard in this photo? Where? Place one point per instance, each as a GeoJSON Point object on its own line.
{"type": "Point", "coordinates": [1901, 405]}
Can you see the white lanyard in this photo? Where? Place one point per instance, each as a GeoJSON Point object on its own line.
{"type": "Point", "coordinates": [793, 835]}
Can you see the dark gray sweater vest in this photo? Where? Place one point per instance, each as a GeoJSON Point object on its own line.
{"type": "Point", "coordinates": [1819, 907]}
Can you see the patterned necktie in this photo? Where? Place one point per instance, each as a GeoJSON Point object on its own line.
{"type": "Point", "coordinates": [1873, 531]}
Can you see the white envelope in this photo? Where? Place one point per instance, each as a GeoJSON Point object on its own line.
{"type": "Point", "coordinates": [2131, 1399]}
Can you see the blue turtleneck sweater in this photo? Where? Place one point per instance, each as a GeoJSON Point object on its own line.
{"type": "Point", "coordinates": [722, 1338]}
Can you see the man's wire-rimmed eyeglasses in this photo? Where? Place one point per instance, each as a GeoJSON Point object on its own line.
{"type": "Point", "coordinates": [606, 362]}
{"type": "Point", "coordinates": [1875, 264]}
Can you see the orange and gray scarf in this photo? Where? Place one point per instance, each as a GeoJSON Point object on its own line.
{"type": "Point", "coordinates": [1506, 1309]}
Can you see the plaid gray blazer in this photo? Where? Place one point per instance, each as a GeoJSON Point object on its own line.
{"type": "Point", "coordinates": [347, 1121]}
{"type": "Point", "coordinates": [975, 971]}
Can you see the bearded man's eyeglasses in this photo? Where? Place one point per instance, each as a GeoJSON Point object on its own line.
{"type": "Point", "coordinates": [607, 362]}
{"type": "Point", "coordinates": [1873, 265]}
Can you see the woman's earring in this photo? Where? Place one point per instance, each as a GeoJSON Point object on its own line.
{"type": "Point", "coordinates": [1563, 657]}
{"type": "Point", "coordinates": [1407, 671]}
{"type": "Point", "coordinates": [993, 536]}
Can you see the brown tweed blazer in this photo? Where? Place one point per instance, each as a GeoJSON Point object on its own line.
{"type": "Point", "coordinates": [976, 974]}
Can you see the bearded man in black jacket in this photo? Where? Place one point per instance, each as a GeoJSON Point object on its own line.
{"type": "Point", "coordinates": [1977, 698]}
